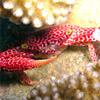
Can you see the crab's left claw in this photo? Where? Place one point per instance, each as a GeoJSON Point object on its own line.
{"type": "Point", "coordinates": [19, 64]}
{"type": "Point", "coordinates": [37, 63]}
{"type": "Point", "coordinates": [24, 79]}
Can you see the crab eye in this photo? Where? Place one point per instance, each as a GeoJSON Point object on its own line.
{"type": "Point", "coordinates": [24, 46]}
{"type": "Point", "coordinates": [69, 32]}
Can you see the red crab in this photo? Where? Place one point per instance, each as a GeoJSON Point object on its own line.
{"type": "Point", "coordinates": [48, 40]}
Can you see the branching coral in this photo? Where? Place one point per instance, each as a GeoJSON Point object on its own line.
{"type": "Point", "coordinates": [80, 86]}
{"type": "Point", "coordinates": [37, 12]}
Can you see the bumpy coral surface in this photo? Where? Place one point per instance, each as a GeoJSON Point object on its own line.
{"type": "Point", "coordinates": [79, 86]}
{"type": "Point", "coordinates": [38, 12]}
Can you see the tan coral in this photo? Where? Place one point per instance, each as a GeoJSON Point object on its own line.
{"type": "Point", "coordinates": [37, 12]}
{"type": "Point", "coordinates": [80, 86]}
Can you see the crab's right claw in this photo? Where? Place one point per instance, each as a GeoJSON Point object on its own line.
{"type": "Point", "coordinates": [20, 63]}
{"type": "Point", "coordinates": [24, 79]}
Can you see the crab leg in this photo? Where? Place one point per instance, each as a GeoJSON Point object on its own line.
{"type": "Point", "coordinates": [92, 49]}
{"type": "Point", "coordinates": [18, 64]}
{"type": "Point", "coordinates": [97, 50]}
{"type": "Point", "coordinates": [24, 79]}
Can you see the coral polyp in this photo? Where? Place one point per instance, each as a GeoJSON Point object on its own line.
{"type": "Point", "coordinates": [36, 12]}
{"type": "Point", "coordinates": [79, 86]}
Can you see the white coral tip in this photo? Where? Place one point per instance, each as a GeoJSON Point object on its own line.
{"type": "Point", "coordinates": [96, 34]}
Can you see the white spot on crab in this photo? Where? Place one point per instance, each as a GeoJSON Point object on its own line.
{"type": "Point", "coordinates": [96, 34]}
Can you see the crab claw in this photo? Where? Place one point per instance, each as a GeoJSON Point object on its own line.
{"type": "Point", "coordinates": [37, 63]}
{"type": "Point", "coordinates": [24, 79]}
{"type": "Point", "coordinates": [20, 63]}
